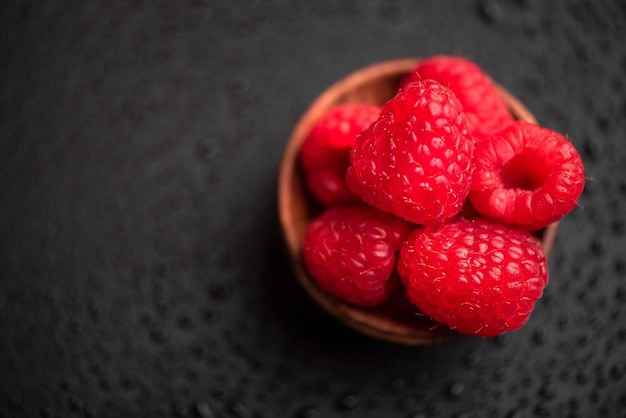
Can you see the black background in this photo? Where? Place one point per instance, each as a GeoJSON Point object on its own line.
{"type": "Point", "coordinates": [142, 272]}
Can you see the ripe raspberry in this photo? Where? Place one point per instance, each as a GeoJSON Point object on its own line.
{"type": "Point", "coordinates": [350, 251]}
{"type": "Point", "coordinates": [485, 109]}
{"type": "Point", "coordinates": [415, 160]}
{"type": "Point", "coordinates": [324, 156]}
{"type": "Point", "coordinates": [526, 176]}
{"type": "Point", "coordinates": [477, 277]}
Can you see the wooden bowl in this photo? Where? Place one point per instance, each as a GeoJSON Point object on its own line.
{"type": "Point", "coordinates": [396, 320]}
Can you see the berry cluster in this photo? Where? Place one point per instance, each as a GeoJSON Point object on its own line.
{"type": "Point", "coordinates": [437, 193]}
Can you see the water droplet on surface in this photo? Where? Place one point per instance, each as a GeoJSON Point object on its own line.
{"type": "Point", "coordinates": [209, 315]}
{"type": "Point", "coordinates": [590, 150]}
{"type": "Point", "coordinates": [456, 389]}
{"type": "Point", "coordinates": [203, 410]}
{"type": "Point", "coordinates": [95, 312]}
{"type": "Point", "coordinates": [498, 376]}
{"type": "Point", "coordinates": [107, 381]}
{"type": "Point", "coordinates": [206, 150]}
{"type": "Point", "coordinates": [76, 325]}
{"type": "Point", "coordinates": [309, 412]}
{"type": "Point", "coordinates": [406, 404]}
{"type": "Point", "coordinates": [76, 403]}
{"type": "Point", "coordinates": [596, 248]}
{"type": "Point", "coordinates": [490, 11]}
{"type": "Point", "coordinates": [220, 392]}
{"type": "Point", "coordinates": [574, 404]}
{"type": "Point", "coordinates": [66, 385]}
{"type": "Point", "coordinates": [159, 334]}
{"type": "Point", "coordinates": [192, 375]}
{"type": "Point", "coordinates": [162, 308]}
{"type": "Point", "coordinates": [502, 340]}
{"type": "Point", "coordinates": [90, 412]}
{"type": "Point", "coordinates": [238, 409]}
{"type": "Point", "coordinates": [604, 124]}
{"type": "Point", "coordinates": [349, 402]}
{"type": "Point", "coordinates": [184, 321]}
{"type": "Point", "coordinates": [542, 410]}
{"type": "Point", "coordinates": [538, 337]}
{"type": "Point", "coordinates": [547, 393]}
{"type": "Point", "coordinates": [197, 350]}
{"type": "Point", "coordinates": [220, 292]}
{"type": "Point", "coordinates": [472, 359]}
{"type": "Point", "coordinates": [97, 368]}
{"type": "Point", "coordinates": [127, 382]}
{"type": "Point", "coordinates": [46, 413]}
{"type": "Point", "coordinates": [617, 372]}
{"type": "Point", "coordinates": [180, 409]}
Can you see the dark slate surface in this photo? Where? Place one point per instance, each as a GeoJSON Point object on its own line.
{"type": "Point", "coordinates": [142, 273]}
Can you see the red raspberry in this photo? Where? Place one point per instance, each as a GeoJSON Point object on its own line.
{"type": "Point", "coordinates": [350, 251]}
{"type": "Point", "coordinates": [526, 176]}
{"type": "Point", "coordinates": [477, 277]}
{"type": "Point", "coordinates": [485, 109]}
{"type": "Point", "coordinates": [415, 160]}
{"type": "Point", "coordinates": [324, 156]}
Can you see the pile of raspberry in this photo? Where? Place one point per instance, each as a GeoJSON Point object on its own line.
{"type": "Point", "coordinates": [439, 193]}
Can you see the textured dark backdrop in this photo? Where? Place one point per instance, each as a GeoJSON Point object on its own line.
{"type": "Point", "coordinates": [142, 273]}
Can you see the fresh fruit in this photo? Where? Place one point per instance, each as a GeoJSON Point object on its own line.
{"type": "Point", "coordinates": [448, 194]}
{"type": "Point", "coordinates": [477, 277]}
{"type": "Point", "coordinates": [324, 156]}
{"type": "Point", "coordinates": [350, 251]}
{"type": "Point", "coordinates": [485, 109]}
{"type": "Point", "coordinates": [526, 176]}
{"type": "Point", "coordinates": [415, 160]}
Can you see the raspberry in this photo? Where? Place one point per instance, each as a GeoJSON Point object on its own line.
{"type": "Point", "coordinates": [324, 156]}
{"type": "Point", "coordinates": [477, 277]}
{"type": "Point", "coordinates": [350, 251]}
{"type": "Point", "coordinates": [527, 176]}
{"type": "Point", "coordinates": [485, 109]}
{"type": "Point", "coordinates": [415, 159]}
